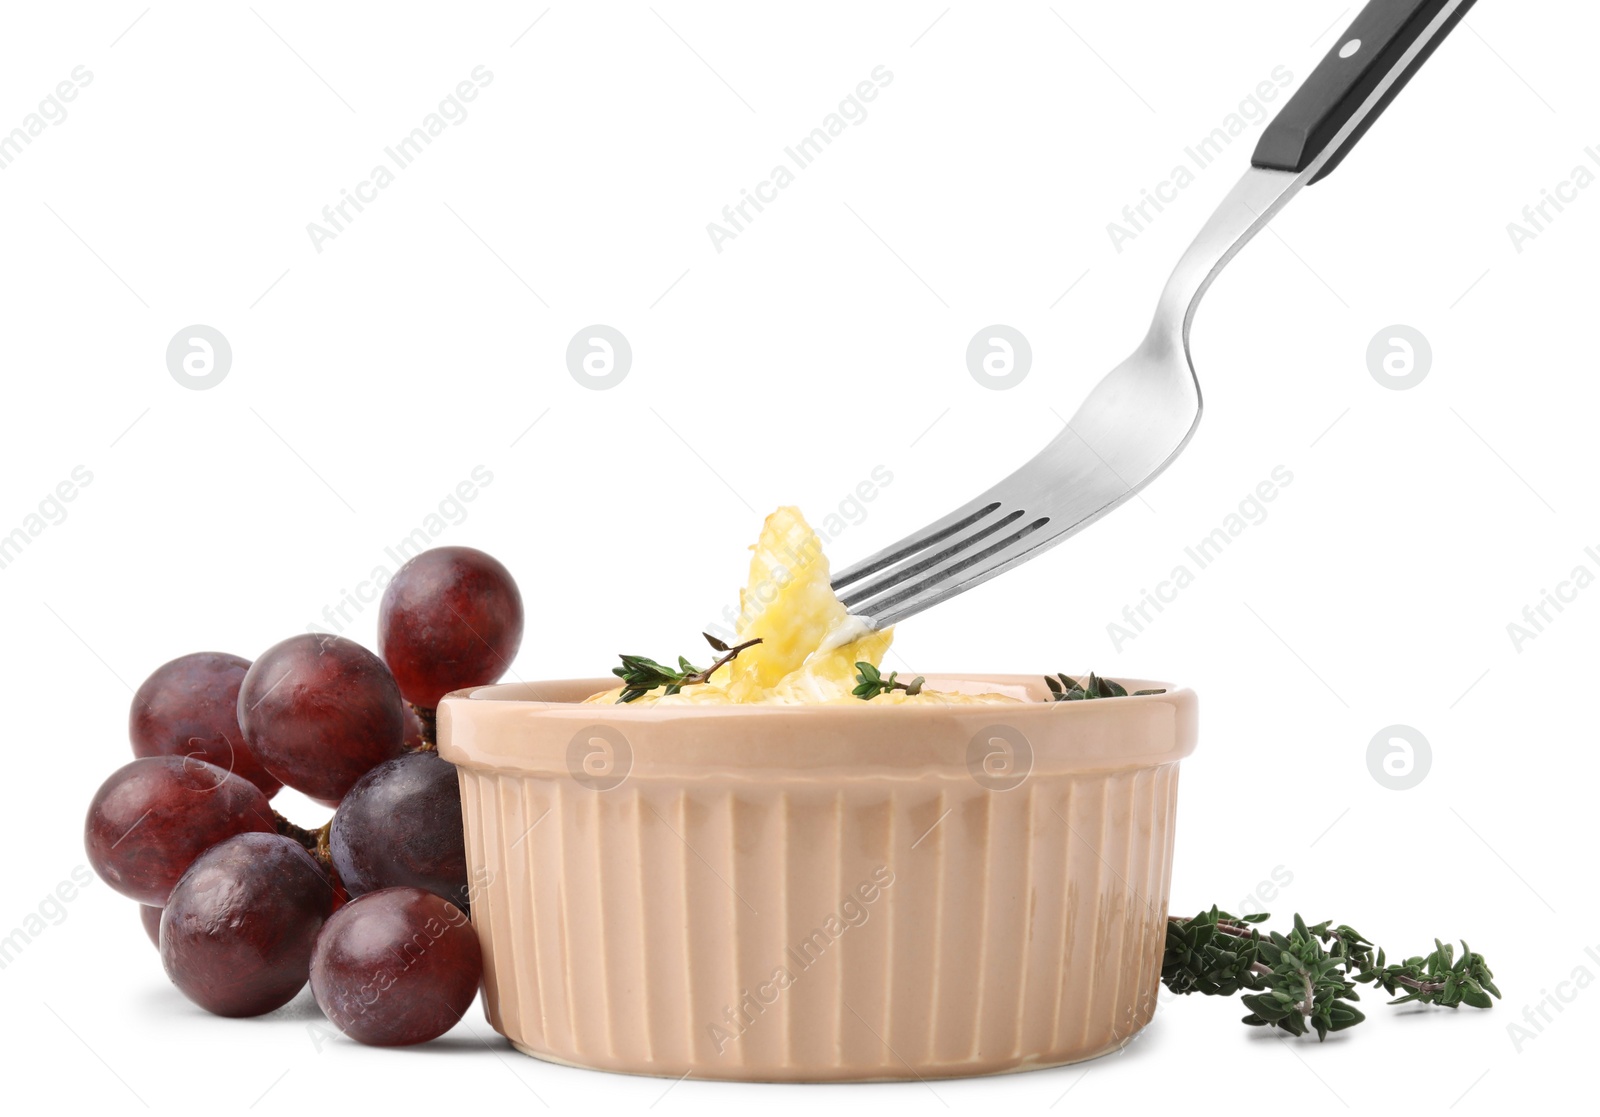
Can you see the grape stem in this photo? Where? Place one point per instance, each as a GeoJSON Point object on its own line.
{"type": "Point", "coordinates": [430, 727]}
{"type": "Point", "coordinates": [315, 841]}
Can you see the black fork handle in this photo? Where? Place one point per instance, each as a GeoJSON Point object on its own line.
{"type": "Point", "coordinates": [1388, 38]}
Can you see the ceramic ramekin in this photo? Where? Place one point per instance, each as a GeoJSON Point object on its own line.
{"type": "Point", "coordinates": [818, 893]}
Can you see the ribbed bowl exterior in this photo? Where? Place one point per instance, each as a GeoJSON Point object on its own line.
{"type": "Point", "coordinates": [810, 927]}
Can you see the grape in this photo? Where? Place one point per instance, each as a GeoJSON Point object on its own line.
{"type": "Point", "coordinates": [153, 816]}
{"type": "Point", "coordinates": [401, 825]}
{"type": "Point", "coordinates": [396, 967]}
{"type": "Point", "coordinates": [151, 918]}
{"type": "Point", "coordinates": [238, 932]}
{"type": "Point", "coordinates": [320, 711]}
{"type": "Point", "coordinates": [451, 618]}
{"type": "Point", "coordinates": [341, 894]}
{"type": "Point", "coordinates": [190, 707]}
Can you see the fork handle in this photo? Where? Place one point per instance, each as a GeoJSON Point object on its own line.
{"type": "Point", "coordinates": [1389, 40]}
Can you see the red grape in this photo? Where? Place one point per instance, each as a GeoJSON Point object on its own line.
{"type": "Point", "coordinates": [238, 933]}
{"type": "Point", "coordinates": [341, 894]}
{"type": "Point", "coordinates": [401, 825]}
{"type": "Point", "coordinates": [396, 967]}
{"type": "Point", "coordinates": [320, 711]}
{"type": "Point", "coordinates": [153, 816]}
{"type": "Point", "coordinates": [451, 618]}
{"type": "Point", "coordinates": [190, 707]}
{"type": "Point", "coordinates": [151, 918]}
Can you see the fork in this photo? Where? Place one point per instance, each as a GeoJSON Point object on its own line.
{"type": "Point", "coordinates": [1143, 413]}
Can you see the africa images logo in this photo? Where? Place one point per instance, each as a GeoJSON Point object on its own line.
{"type": "Point", "coordinates": [801, 154]}
{"type": "Point", "coordinates": [402, 154]}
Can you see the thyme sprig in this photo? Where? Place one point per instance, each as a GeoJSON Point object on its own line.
{"type": "Point", "coordinates": [870, 682]}
{"type": "Point", "coordinates": [641, 674]}
{"type": "Point", "coordinates": [1065, 689]}
{"type": "Point", "coordinates": [1302, 981]}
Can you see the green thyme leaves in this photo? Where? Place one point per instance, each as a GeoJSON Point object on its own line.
{"type": "Point", "coordinates": [870, 682]}
{"type": "Point", "coordinates": [1304, 980]}
{"type": "Point", "coordinates": [641, 674]}
{"type": "Point", "coordinates": [1065, 689]}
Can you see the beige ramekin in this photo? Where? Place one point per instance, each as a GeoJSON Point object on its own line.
{"type": "Point", "coordinates": [823, 893]}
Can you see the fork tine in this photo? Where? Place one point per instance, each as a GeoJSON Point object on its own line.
{"type": "Point", "coordinates": [973, 513]}
{"type": "Point", "coordinates": [899, 599]}
{"type": "Point", "coordinates": [933, 551]}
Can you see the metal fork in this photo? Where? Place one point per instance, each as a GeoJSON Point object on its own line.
{"type": "Point", "coordinates": [1144, 412]}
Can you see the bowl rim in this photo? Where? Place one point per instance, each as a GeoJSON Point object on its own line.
{"type": "Point", "coordinates": [500, 728]}
{"type": "Point", "coordinates": [1032, 685]}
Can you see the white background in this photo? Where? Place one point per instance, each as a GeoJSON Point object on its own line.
{"type": "Point", "coordinates": [369, 379]}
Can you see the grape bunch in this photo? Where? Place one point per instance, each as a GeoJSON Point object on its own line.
{"type": "Point", "coordinates": [373, 908]}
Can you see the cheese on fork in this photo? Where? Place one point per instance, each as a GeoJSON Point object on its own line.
{"type": "Point", "coordinates": [810, 643]}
